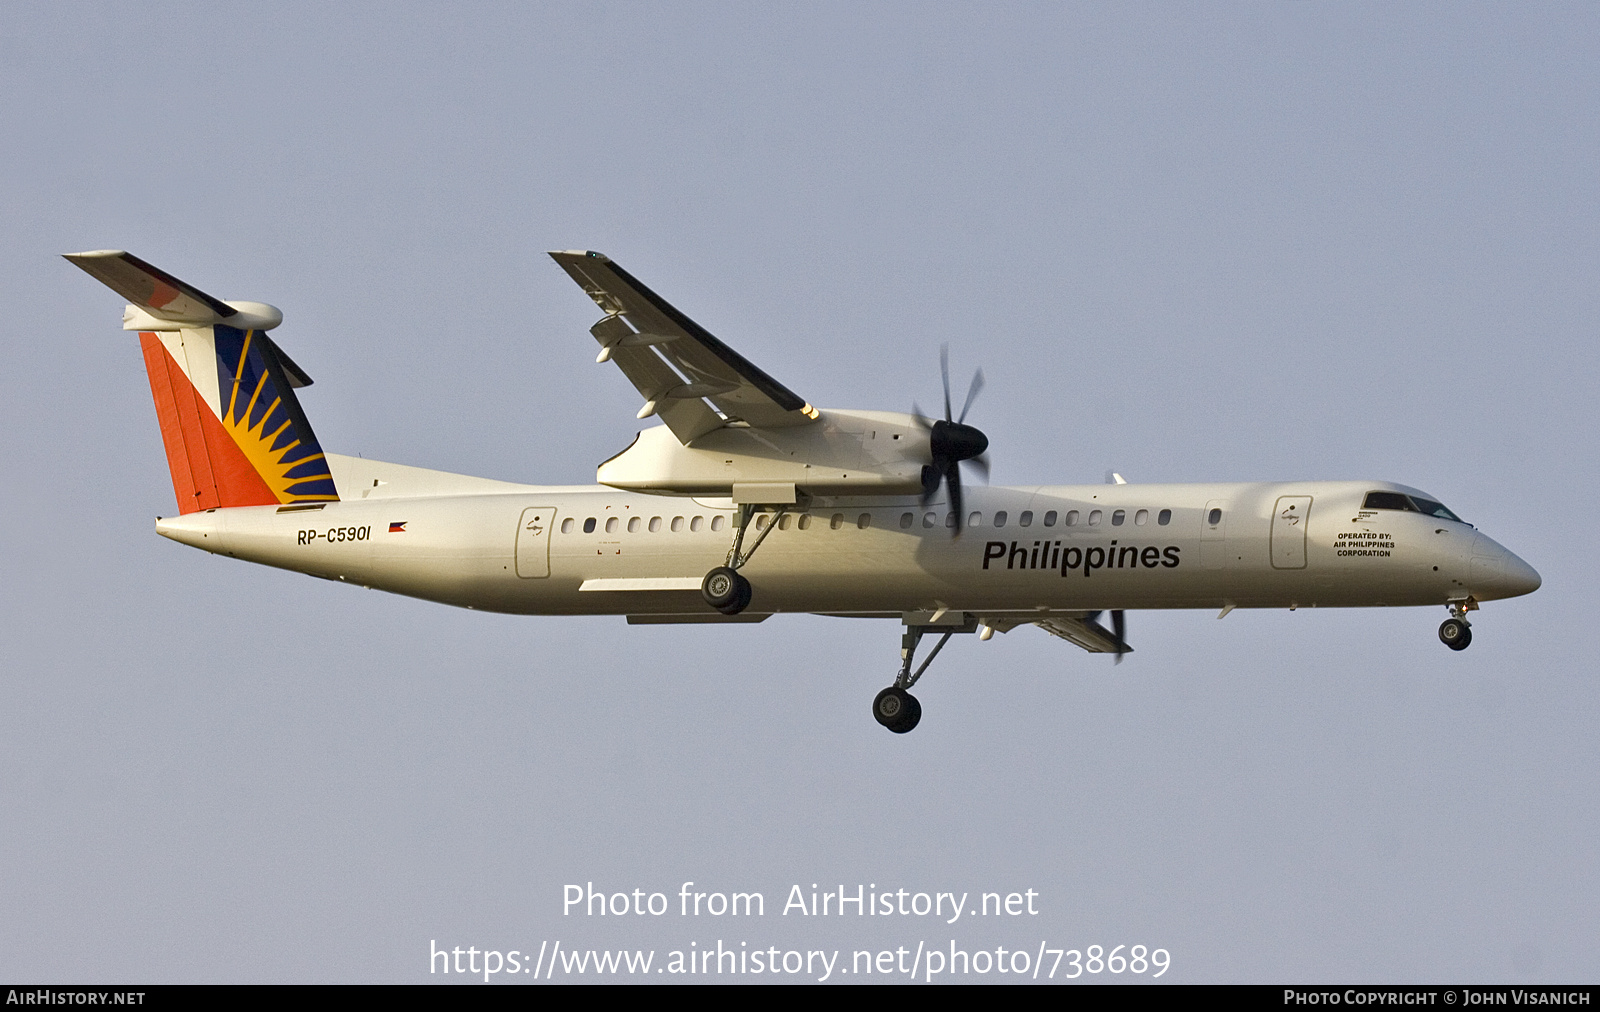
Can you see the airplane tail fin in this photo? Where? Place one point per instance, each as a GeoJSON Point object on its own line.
{"type": "Point", "coordinates": [233, 429]}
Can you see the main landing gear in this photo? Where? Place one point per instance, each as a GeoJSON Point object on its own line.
{"type": "Point", "coordinates": [724, 588]}
{"type": "Point", "coordinates": [895, 707]}
{"type": "Point", "coordinates": [1456, 631]}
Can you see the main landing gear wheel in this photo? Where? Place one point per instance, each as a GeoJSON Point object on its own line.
{"type": "Point", "coordinates": [726, 591]}
{"type": "Point", "coordinates": [897, 709]}
{"type": "Point", "coordinates": [1455, 634]}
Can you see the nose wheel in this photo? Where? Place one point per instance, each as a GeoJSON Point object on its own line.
{"type": "Point", "coordinates": [1456, 632]}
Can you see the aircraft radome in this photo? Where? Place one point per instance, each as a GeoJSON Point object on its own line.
{"type": "Point", "coordinates": [747, 501]}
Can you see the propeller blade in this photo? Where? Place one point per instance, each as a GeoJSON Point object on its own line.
{"type": "Point", "coordinates": [972, 392]}
{"type": "Point", "coordinates": [980, 463]}
{"type": "Point", "coordinates": [950, 443]}
{"type": "Point", "coordinates": [944, 370]}
{"type": "Point", "coordinates": [1119, 629]}
{"type": "Point", "coordinates": [952, 478]}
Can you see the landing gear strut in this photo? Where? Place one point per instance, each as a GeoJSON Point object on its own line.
{"type": "Point", "coordinates": [896, 708]}
{"type": "Point", "coordinates": [724, 588]}
{"type": "Point", "coordinates": [1456, 631]}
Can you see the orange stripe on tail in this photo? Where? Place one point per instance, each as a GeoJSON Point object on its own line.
{"type": "Point", "coordinates": [208, 468]}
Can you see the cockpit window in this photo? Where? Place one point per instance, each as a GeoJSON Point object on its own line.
{"type": "Point", "coordinates": [1408, 503]}
{"type": "Point", "coordinates": [1434, 509]}
{"type": "Point", "coordinates": [1388, 501]}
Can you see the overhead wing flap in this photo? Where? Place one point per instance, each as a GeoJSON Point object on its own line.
{"type": "Point", "coordinates": [150, 288]}
{"type": "Point", "coordinates": [1083, 631]}
{"type": "Point", "coordinates": [669, 357]}
{"type": "Point", "coordinates": [687, 417]}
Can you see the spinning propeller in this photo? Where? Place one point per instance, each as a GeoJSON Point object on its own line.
{"type": "Point", "coordinates": [1119, 630]}
{"type": "Point", "coordinates": [952, 442]}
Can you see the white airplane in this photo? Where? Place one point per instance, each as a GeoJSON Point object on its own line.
{"type": "Point", "coordinates": [748, 502]}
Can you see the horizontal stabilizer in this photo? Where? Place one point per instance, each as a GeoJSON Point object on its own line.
{"type": "Point", "coordinates": [158, 301]}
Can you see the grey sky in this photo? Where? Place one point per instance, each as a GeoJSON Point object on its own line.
{"type": "Point", "coordinates": [1197, 243]}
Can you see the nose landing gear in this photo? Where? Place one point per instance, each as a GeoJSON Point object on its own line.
{"type": "Point", "coordinates": [1456, 631]}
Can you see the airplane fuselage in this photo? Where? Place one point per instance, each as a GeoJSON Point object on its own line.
{"type": "Point", "coordinates": [563, 550]}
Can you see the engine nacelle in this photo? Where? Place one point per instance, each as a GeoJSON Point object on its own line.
{"type": "Point", "coordinates": [843, 453]}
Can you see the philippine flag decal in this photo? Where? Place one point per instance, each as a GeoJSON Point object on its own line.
{"type": "Point", "coordinates": [398, 528]}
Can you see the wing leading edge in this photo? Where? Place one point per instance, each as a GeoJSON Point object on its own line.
{"type": "Point", "coordinates": [676, 364]}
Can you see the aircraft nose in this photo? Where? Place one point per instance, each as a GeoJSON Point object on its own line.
{"type": "Point", "coordinates": [1497, 573]}
{"type": "Point", "coordinates": [1520, 578]}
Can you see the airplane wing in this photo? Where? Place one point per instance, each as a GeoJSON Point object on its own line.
{"type": "Point", "coordinates": [676, 365]}
{"type": "Point", "coordinates": [1084, 631]}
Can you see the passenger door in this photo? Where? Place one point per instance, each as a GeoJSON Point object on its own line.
{"type": "Point", "coordinates": [1289, 520]}
{"type": "Point", "coordinates": [533, 541]}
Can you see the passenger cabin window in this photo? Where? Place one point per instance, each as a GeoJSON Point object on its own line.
{"type": "Point", "coordinates": [1118, 517]}
{"type": "Point", "coordinates": [836, 522]}
{"type": "Point", "coordinates": [805, 522]}
{"type": "Point", "coordinates": [1408, 504]}
{"type": "Point", "coordinates": [633, 525]}
{"type": "Point", "coordinates": [1050, 519]}
{"type": "Point", "coordinates": [1094, 518]}
{"type": "Point", "coordinates": [1026, 519]}
{"type": "Point", "coordinates": [906, 520]}
{"type": "Point", "coordinates": [588, 526]}
{"type": "Point", "coordinates": [1164, 517]}
{"type": "Point", "coordinates": [611, 525]}
{"type": "Point", "coordinates": [1000, 518]}
{"type": "Point", "coordinates": [1141, 518]}
{"type": "Point", "coordinates": [1072, 518]}
{"type": "Point", "coordinates": [567, 525]}
{"type": "Point", "coordinates": [718, 522]}
{"type": "Point", "coordinates": [655, 524]}
{"type": "Point", "coordinates": [697, 523]}
{"type": "Point", "coordinates": [677, 524]}
{"type": "Point", "coordinates": [1214, 517]}
{"type": "Point", "coordinates": [783, 522]}
{"type": "Point", "coordinates": [928, 519]}
{"type": "Point", "coordinates": [863, 521]}
{"type": "Point", "coordinates": [975, 519]}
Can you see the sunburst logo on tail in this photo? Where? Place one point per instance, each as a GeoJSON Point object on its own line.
{"type": "Point", "coordinates": [263, 417]}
